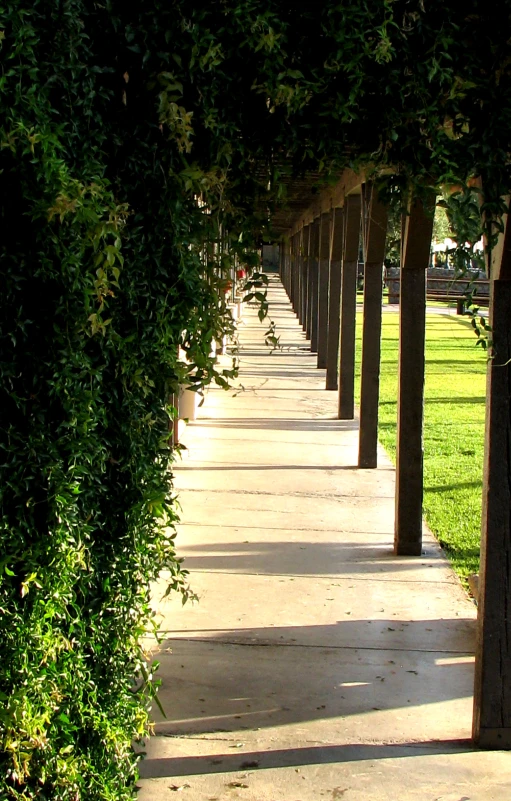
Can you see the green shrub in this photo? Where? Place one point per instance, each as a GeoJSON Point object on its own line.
{"type": "Point", "coordinates": [98, 283]}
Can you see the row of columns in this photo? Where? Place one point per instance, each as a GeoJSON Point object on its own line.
{"type": "Point", "coordinates": [319, 270]}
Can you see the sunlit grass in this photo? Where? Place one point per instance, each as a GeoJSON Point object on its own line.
{"type": "Point", "coordinates": [453, 431]}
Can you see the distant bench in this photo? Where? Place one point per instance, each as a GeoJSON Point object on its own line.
{"type": "Point", "coordinates": [447, 290]}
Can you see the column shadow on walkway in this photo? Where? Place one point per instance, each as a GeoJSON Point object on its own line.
{"type": "Point", "coordinates": [297, 758]}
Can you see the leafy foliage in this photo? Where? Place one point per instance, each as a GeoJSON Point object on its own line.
{"type": "Point", "coordinates": [462, 208]}
{"type": "Point", "coordinates": [143, 149]}
{"type": "Point", "coordinates": [102, 280]}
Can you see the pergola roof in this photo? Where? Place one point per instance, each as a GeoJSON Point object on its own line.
{"type": "Point", "coordinates": [301, 192]}
{"type": "Point", "coordinates": [307, 197]}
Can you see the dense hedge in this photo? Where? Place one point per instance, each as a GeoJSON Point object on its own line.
{"type": "Point", "coordinates": [141, 150]}
{"type": "Point", "coordinates": [99, 279]}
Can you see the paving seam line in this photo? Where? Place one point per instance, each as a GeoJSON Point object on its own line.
{"type": "Point", "coordinates": [326, 577]}
{"type": "Point", "coordinates": [267, 644]}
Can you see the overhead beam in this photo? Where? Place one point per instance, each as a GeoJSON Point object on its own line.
{"type": "Point", "coordinates": [329, 198]}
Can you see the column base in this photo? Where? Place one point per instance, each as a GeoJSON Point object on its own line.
{"type": "Point", "coordinates": [408, 548]}
{"type": "Point", "coordinates": [494, 739]}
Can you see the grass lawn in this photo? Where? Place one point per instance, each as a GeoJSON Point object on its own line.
{"type": "Point", "coordinates": [453, 431]}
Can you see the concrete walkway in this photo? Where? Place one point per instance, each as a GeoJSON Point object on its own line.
{"type": "Point", "coordinates": [316, 665]}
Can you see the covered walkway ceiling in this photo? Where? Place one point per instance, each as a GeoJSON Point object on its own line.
{"type": "Point", "coordinates": [309, 195]}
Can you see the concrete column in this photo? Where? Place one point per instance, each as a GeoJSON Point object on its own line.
{"type": "Point", "coordinates": [313, 284]}
{"type": "Point", "coordinates": [291, 277]}
{"type": "Point", "coordinates": [416, 245]}
{"type": "Point", "coordinates": [304, 237]}
{"type": "Point", "coordinates": [299, 275]}
{"type": "Point", "coordinates": [374, 232]}
{"type": "Point", "coordinates": [352, 208]}
{"type": "Point", "coordinates": [309, 245]}
{"type": "Point", "coordinates": [282, 274]}
{"type": "Point", "coordinates": [289, 256]}
{"type": "Point", "coordinates": [492, 691]}
{"type": "Point", "coordinates": [334, 301]}
{"type": "Point", "coordinates": [298, 268]}
{"type": "Point", "coordinates": [296, 273]}
{"type": "Point", "coordinates": [323, 287]}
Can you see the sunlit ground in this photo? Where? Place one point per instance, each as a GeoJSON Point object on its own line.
{"type": "Point", "coordinates": [453, 431]}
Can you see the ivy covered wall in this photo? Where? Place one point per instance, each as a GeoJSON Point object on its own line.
{"type": "Point", "coordinates": [114, 120]}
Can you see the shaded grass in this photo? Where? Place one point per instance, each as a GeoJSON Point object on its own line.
{"type": "Point", "coordinates": [455, 392]}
